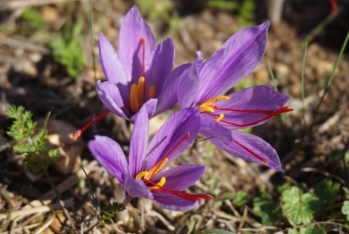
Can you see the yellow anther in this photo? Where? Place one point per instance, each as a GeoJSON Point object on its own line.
{"type": "Point", "coordinates": [207, 106]}
{"type": "Point", "coordinates": [156, 168]}
{"type": "Point", "coordinates": [153, 171]}
{"type": "Point", "coordinates": [134, 98]}
{"type": "Point", "coordinates": [141, 90]}
{"type": "Point", "coordinates": [152, 92]}
{"type": "Point", "coordinates": [141, 174]}
{"type": "Point", "coordinates": [221, 116]}
{"type": "Point", "coordinates": [159, 184]}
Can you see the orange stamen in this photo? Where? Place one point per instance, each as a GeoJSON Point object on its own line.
{"type": "Point", "coordinates": [78, 133]}
{"type": "Point", "coordinates": [251, 152]}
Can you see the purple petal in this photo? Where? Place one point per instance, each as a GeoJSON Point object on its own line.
{"type": "Point", "coordinates": [109, 154]}
{"type": "Point", "coordinates": [132, 30]}
{"type": "Point", "coordinates": [139, 140]}
{"type": "Point", "coordinates": [250, 107]}
{"type": "Point", "coordinates": [214, 131]}
{"type": "Point", "coordinates": [110, 96]}
{"type": "Point", "coordinates": [136, 188]}
{"type": "Point", "coordinates": [161, 66]}
{"type": "Point", "coordinates": [172, 202]}
{"type": "Point", "coordinates": [243, 52]}
{"type": "Point", "coordinates": [208, 71]}
{"type": "Point", "coordinates": [167, 141]}
{"type": "Point", "coordinates": [168, 96]}
{"type": "Point", "coordinates": [181, 177]}
{"type": "Point", "coordinates": [112, 68]}
{"type": "Point", "coordinates": [149, 107]}
{"type": "Point", "coordinates": [189, 86]}
{"type": "Point", "coordinates": [254, 149]}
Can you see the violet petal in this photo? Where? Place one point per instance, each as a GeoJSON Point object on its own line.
{"type": "Point", "coordinates": [166, 140]}
{"type": "Point", "coordinates": [139, 141]}
{"type": "Point", "coordinates": [262, 98]}
{"type": "Point", "coordinates": [109, 154]}
{"type": "Point", "coordinates": [110, 96]}
{"type": "Point", "coordinates": [252, 148]}
{"type": "Point", "coordinates": [243, 52]}
{"type": "Point", "coordinates": [181, 177]}
{"type": "Point", "coordinates": [172, 202]}
{"type": "Point", "coordinates": [133, 29]}
{"type": "Point", "coordinates": [161, 66]}
{"type": "Point", "coordinates": [136, 188]}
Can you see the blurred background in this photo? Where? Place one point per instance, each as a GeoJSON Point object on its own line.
{"type": "Point", "coordinates": [49, 63]}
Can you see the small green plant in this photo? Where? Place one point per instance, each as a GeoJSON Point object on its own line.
{"type": "Point", "coordinates": [246, 13]}
{"type": "Point", "coordinates": [26, 142]}
{"type": "Point", "coordinates": [67, 48]}
{"type": "Point", "coordinates": [33, 17]}
{"type": "Point", "coordinates": [299, 208]}
{"type": "Point", "coordinates": [110, 211]}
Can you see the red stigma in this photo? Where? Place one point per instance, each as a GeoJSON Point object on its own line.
{"type": "Point", "coordinates": [251, 152]}
{"type": "Point", "coordinates": [269, 114]}
{"type": "Point", "coordinates": [78, 133]}
{"type": "Point", "coordinates": [143, 56]}
{"type": "Point", "coordinates": [334, 6]}
{"type": "Point", "coordinates": [187, 196]}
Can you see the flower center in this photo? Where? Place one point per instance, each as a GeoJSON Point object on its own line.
{"type": "Point", "coordinates": [146, 176]}
{"type": "Point", "coordinates": [138, 91]}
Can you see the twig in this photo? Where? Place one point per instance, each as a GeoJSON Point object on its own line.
{"type": "Point", "coordinates": [28, 211]}
{"type": "Point", "coordinates": [15, 4]}
{"type": "Point", "coordinates": [61, 202]}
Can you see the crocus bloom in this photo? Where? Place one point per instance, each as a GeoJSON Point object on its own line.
{"type": "Point", "coordinates": [141, 71]}
{"type": "Point", "coordinates": [203, 86]}
{"type": "Point", "coordinates": [141, 175]}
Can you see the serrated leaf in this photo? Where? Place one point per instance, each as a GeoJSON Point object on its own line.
{"type": "Point", "coordinates": [214, 231]}
{"type": "Point", "coordinates": [269, 210]}
{"type": "Point", "coordinates": [299, 207]}
{"type": "Point", "coordinates": [326, 191]}
{"type": "Point", "coordinates": [345, 209]}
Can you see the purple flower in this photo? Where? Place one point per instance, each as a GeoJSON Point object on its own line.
{"type": "Point", "coordinates": [141, 72]}
{"type": "Point", "coordinates": [203, 86]}
{"type": "Point", "coordinates": [141, 175]}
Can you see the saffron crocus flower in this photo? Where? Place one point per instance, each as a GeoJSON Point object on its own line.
{"type": "Point", "coordinates": [141, 71]}
{"type": "Point", "coordinates": [204, 84]}
{"type": "Point", "coordinates": [142, 174]}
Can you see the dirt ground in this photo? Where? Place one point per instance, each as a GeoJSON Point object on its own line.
{"type": "Point", "coordinates": [311, 145]}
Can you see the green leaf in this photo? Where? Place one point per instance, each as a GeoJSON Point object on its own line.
{"type": "Point", "coordinates": [326, 191]}
{"type": "Point", "coordinates": [312, 229]}
{"type": "Point", "coordinates": [241, 198]}
{"type": "Point", "coordinates": [345, 209]}
{"type": "Point", "coordinates": [214, 231]}
{"type": "Point", "coordinates": [269, 210]}
{"type": "Point", "coordinates": [299, 207]}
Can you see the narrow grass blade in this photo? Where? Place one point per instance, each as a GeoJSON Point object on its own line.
{"type": "Point", "coordinates": [329, 82]}
{"type": "Point", "coordinates": [283, 120]}
{"type": "Point", "coordinates": [302, 81]}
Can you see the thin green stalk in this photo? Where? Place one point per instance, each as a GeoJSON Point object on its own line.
{"type": "Point", "coordinates": [316, 31]}
{"type": "Point", "coordinates": [272, 75]}
{"type": "Point", "coordinates": [61, 202]}
{"type": "Point", "coordinates": [302, 81]}
{"type": "Point", "coordinates": [90, 186]}
{"type": "Point", "coordinates": [92, 44]}
{"type": "Point", "coordinates": [302, 75]}
{"type": "Point", "coordinates": [283, 120]}
{"type": "Point", "coordinates": [329, 82]}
